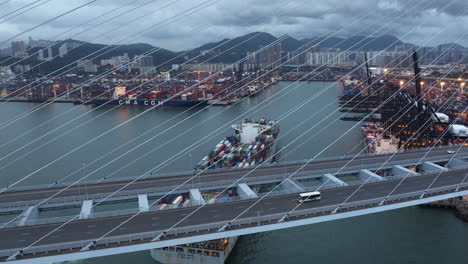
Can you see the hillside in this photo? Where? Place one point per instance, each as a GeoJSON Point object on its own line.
{"type": "Point", "coordinates": [226, 50]}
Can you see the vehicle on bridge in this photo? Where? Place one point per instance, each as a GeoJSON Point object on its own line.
{"type": "Point", "coordinates": [309, 196]}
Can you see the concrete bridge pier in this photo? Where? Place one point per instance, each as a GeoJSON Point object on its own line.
{"type": "Point", "coordinates": [290, 185]}
{"type": "Point", "coordinates": [402, 172]}
{"type": "Point", "coordinates": [245, 192]}
{"type": "Point", "coordinates": [87, 209]}
{"type": "Point", "coordinates": [29, 213]}
{"type": "Point", "coordinates": [366, 174]}
{"type": "Point", "coordinates": [143, 204]}
{"type": "Point", "coordinates": [332, 179]}
{"type": "Point", "coordinates": [457, 164]}
{"type": "Point", "coordinates": [196, 198]}
{"type": "Point", "coordinates": [432, 167]}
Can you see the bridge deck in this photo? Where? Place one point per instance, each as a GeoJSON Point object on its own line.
{"type": "Point", "coordinates": [157, 221]}
{"type": "Point", "coordinates": [166, 183]}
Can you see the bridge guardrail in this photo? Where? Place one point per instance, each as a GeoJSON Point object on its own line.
{"type": "Point", "coordinates": [103, 180]}
{"type": "Point", "coordinates": [150, 191]}
{"type": "Point", "coordinates": [136, 210]}
{"type": "Point", "coordinates": [74, 199]}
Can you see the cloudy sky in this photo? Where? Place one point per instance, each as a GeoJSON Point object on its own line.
{"type": "Point", "coordinates": [183, 24]}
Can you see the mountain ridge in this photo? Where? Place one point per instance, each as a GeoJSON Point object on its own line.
{"type": "Point", "coordinates": [225, 50]}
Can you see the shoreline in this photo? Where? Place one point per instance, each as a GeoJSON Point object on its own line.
{"type": "Point", "coordinates": [460, 204]}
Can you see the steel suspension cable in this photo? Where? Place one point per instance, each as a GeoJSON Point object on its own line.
{"type": "Point", "coordinates": [132, 217]}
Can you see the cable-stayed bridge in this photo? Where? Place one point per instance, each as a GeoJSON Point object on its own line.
{"type": "Point", "coordinates": [388, 184]}
{"type": "Point", "coordinates": [266, 197]}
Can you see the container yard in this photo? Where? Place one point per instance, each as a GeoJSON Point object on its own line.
{"type": "Point", "coordinates": [186, 88]}
{"type": "Point", "coordinates": [376, 140]}
{"type": "Point", "coordinates": [407, 113]}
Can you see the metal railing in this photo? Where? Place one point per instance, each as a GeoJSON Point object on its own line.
{"type": "Point", "coordinates": [217, 170]}
{"type": "Point", "coordinates": [202, 185]}
{"type": "Point", "coordinates": [213, 184]}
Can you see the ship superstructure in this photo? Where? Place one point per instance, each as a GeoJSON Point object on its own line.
{"type": "Point", "coordinates": [208, 252]}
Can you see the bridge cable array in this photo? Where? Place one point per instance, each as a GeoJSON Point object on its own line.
{"type": "Point", "coordinates": [11, 185]}
{"type": "Point", "coordinates": [271, 191]}
{"type": "Point", "coordinates": [115, 46]}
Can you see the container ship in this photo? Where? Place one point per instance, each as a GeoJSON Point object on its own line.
{"type": "Point", "coordinates": [152, 98]}
{"type": "Point", "coordinates": [208, 252]}
{"type": "Point", "coordinates": [252, 143]}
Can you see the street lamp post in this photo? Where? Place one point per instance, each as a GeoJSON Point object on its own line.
{"type": "Point", "coordinates": [462, 87]}
{"type": "Point", "coordinates": [442, 84]}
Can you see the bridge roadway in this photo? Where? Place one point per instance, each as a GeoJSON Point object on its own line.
{"type": "Point", "coordinates": [157, 221]}
{"type": "Point", "coordinates": [322, 166]}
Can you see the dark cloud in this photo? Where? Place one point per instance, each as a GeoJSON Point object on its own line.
{"type": "Point", "coordinates": [428, 22]}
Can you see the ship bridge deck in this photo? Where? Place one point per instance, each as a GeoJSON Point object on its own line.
{"type": "Point", "coordinates": [249, 131]}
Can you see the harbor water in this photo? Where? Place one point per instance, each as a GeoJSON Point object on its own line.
{"type": "Point", "coordinates": [67, 146]}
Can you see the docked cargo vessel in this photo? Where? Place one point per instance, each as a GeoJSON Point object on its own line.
{"type": "Point", "coordinates": [153, 98]}
{"type": "Point", "coordinates": [252, 143]}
